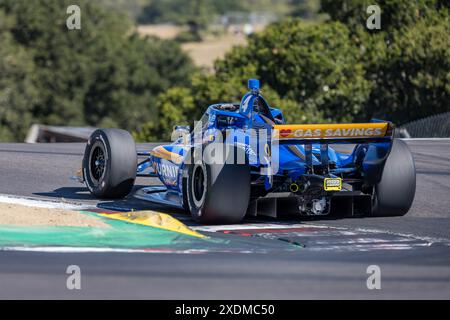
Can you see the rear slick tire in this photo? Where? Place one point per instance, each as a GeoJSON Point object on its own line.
{"type": "Point", "coordinates": [218, 193]}
{"type": "Point", "coordinates": [109, 163]}
{"type": "Point", "coordinates": [394, 194]}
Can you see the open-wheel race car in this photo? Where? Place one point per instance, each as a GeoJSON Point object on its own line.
{"type": "Point", "coordinates": [243, 159]}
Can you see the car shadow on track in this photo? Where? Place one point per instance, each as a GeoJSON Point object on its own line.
{"type": "Point", "coordinates": [82, 195]}
{"type": "Point", "coordinates": [69, 193]}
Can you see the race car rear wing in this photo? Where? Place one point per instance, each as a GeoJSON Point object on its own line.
{"type": "Point", "coordinates": [355, 133]}
{"type": "Point", "coordinates": [377, 135]}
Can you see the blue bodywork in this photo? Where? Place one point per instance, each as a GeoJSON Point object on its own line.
{"type": "Point", "coordinates": [298, 159]}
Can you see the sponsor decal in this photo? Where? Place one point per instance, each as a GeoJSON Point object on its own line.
{"type": "Point", "coordinates": [167, 170]}
{"type": "Point", "coordinates": [330, 133]}
{"type": "Point", "coordinates": [154, 219]}
{"type": "Point", "coordinates": [360, 130]}
{"type": "Point", "coordinates": [285, 132]}
{"type": "Point", "coordinates": [245, 104]}
{"type": "Point", "coordinates": [332, 184]}
{"type": "Point", "coordinates": [354, 132]}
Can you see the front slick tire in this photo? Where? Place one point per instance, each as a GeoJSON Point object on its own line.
{"type": "Point", "coordinates": [109, 163]}
{"type": "Point", "coordinates": [218, 193]}
{"type": "Point", "coordinates": [394, 194]}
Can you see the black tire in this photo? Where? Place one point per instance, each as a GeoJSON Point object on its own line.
{"type": "Point", "coordinates": [218, 193]}
{"type": "Point", "coordinates": [394, 194]}
{"type": "Point", "coordinates": [109, 163]}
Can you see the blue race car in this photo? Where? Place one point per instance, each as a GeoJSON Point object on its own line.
{"type": "Point", "coordinates": [243, 159]}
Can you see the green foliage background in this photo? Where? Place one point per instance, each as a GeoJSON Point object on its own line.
{"type": "Point", "coordinates": [182, 11]}
{"type": "Point", "coordinates": [337, 70]}
{"type": "Point", "coordinates": [316, 71]}
{"type": "Point", "coordinates": [100, 75]}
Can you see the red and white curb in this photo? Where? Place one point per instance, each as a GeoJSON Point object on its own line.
{"type": "Point", "coordinates": [319, 237]}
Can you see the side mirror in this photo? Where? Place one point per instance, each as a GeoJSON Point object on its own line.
{"type": "Point", "coordinates": [181, 132]}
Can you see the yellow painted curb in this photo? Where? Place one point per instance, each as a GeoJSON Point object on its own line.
{"type": "Point", "coordinates": [154, 219]}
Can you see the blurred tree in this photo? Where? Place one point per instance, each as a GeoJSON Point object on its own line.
{"type": "Point", "coordinates": [150, 66]}
{"type": "Point", "coordinates": [313, 64]}
{"type": "Point", "coordinates": [174, 107]}
{"type": "Point", "coordinates": [196, 14]}
{"type": "Point", "coordinates": [306, 9]}
{"type": "Point", "coordinates": [394, 13]}
{"type": "Point", "coordinates": [132, 8]}
{"type": "Point", "coordinates": [329, 71]}
{"type": "Point", "coordinates": [99, 75]}
{"type": "Point", "coordinates": [172, 11]}
{"type": "Point", "coordinates": [17, 88]}
{"type": "Point", "coordinates": [334, 71]}
{"type": "Point", "coordinates": [199, 18]}
{"type": "Point", "coordinates": [184, 105]}
{"type": "Point", "coordinates": [410, 70]}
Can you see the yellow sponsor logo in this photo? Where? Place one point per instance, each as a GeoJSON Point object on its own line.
{"type": "Point", "coordinates": [332, 184]}
{"type": "Point", "coordinates": [155, 220]}
{"type": "Point", "coordinates": [330, 131]}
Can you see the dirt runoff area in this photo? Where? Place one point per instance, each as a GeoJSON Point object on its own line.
{"type": "Point", "coordinates": [19, 215]}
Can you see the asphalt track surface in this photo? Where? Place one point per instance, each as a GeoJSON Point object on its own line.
{"type": "Point", "coordinates": [322, 269]}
